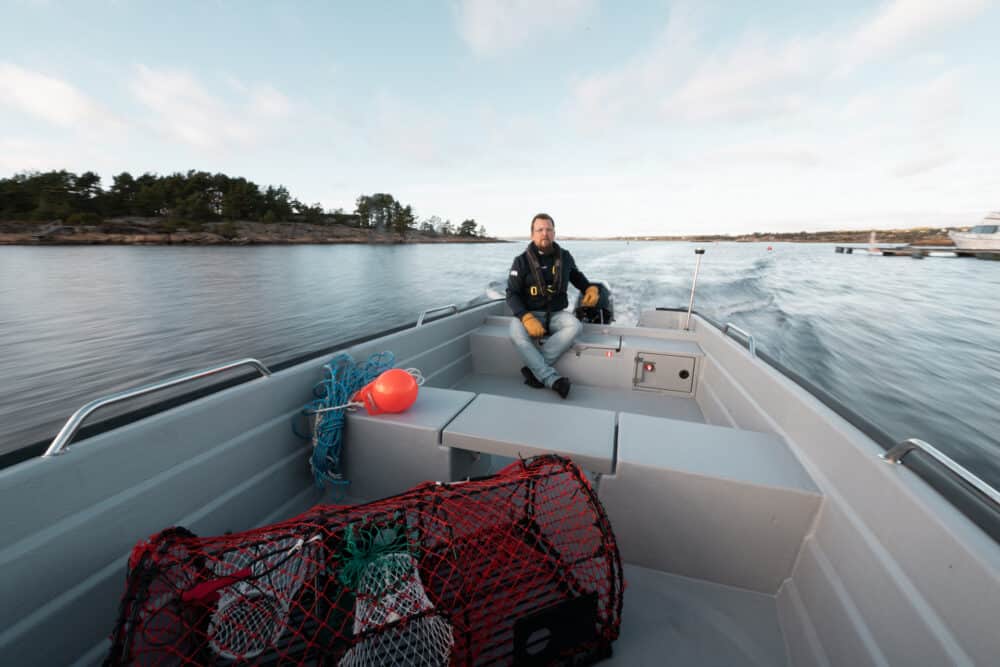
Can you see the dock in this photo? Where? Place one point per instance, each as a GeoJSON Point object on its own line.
{"type": "Point", "coordinates": [913, 251]}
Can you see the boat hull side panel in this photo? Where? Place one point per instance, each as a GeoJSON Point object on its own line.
{"type": "Point", "coordinates": [938, 572]}
{"type": "Point", "coordinates": [227, 461]}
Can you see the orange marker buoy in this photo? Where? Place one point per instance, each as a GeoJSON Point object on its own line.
{"type": "Point", "coordinates": [395, 390]}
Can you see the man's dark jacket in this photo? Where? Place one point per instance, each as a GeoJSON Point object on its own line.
{"type": "Point", "coordinates": [522, 279]}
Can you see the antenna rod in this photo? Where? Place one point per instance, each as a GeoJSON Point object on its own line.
{"type": "Point", "coordinates": [694, 283]}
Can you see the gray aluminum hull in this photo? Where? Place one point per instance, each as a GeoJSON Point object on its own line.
{"type": "Point", "coordinates": [758, 526]}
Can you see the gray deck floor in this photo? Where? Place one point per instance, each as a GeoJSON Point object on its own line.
{"type": "Point", "coordinates": [672, 620]}
{"type": "Point", "coordinates": [666, 619]}
{"type": "Point", "coordinates": [620, 400]}
{"type": "Point", "coordinates": [678, 621]}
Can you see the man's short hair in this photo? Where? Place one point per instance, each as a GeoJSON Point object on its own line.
{"type": "Point", "coordinates": [541, 216]}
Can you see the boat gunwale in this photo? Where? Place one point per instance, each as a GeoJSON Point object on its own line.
{"type": "Point", "coordinates": [962, 495]}
{"type": "Point", "coordinates": [36, 449]}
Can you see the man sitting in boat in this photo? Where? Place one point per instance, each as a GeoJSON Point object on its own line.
{"type": "Point", "coordinates": [536, 294]}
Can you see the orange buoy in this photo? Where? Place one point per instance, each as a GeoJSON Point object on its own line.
{"type": "Point", "coordinates": [395, 390]}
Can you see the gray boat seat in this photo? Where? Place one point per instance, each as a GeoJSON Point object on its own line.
{"type": "Point", "coordinates": [387, 454]}
{"type": "Point", "coordinates": [514, 427]}
{"type": "Point", "coordinates": [605, 358]}
{"type": "Point", "coordinates": [708, 502]}
{"type": "Point", "coordinates": [493, 352]}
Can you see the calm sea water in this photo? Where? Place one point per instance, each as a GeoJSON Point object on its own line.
{"type": "Point", "coordinates": [911, 345]}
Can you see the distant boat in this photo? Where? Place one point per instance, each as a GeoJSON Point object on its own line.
{"type": "Point", "coordinates": [873, 249]}
{"type": "Point", "coordinates": [984, 236]}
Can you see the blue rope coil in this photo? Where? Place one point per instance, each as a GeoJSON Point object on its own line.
{"type": "Point", "coordinates": [342, 378]}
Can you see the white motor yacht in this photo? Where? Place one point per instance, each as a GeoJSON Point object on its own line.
{"type": "Point", "coordinates": [983, 237]}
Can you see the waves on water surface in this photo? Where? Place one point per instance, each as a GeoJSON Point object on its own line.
{"type": "Point", "coordinates": [912, 346]}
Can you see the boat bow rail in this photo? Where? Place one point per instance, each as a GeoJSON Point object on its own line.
{"type": "Point", "coordinates": [61, 442]}
{"type": "Point", "coordinates": [423, 315]}
{"type": "Point", "coordinates": [751, 343]}
{"type": "Point", "coordinates": [74, 424]}
{"type": "Point", "coordinates": [897, 453]}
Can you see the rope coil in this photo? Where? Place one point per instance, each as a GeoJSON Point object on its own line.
{"type": "Point", "coordinates": [342, 378]}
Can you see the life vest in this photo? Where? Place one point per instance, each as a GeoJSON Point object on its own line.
{"type": "Point", "coordinates": [541, 286]}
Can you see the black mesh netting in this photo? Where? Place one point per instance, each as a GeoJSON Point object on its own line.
{"type": "Point", "coordinates": [518, 568]}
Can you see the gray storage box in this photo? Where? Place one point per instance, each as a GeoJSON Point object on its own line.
{"type": "Point", "coordinates": [664, 372]}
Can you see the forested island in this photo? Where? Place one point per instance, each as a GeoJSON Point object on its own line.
{"type": "Point", "coordinates": [200, 208]}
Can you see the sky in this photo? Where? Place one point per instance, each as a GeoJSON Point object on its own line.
{"type": "Point", "coordinates": [617, 118]}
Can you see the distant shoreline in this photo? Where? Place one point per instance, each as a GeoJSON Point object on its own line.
{"type": "Point", "coordinates": [147, 231]}
{"type": "Point", "coordinates": [153, 231]}
{"type": "Point", "coordinates": [916, 236]}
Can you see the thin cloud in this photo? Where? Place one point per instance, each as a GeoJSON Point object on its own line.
{"type": "Point", "coordinates": [761, 152]}
{"type": "Point", "coordinates": [750, 80]}
{"type": "Point", "coordinates": [604, 99]}
{"type": "Point", "coordinates": [907, 115]}
{"type": "Point", "coordinates": [50, 99]}
{"type": "Point", "coordinates": [756, 76]}
{"type": "Point", "coordinates": [76, 153]}
{"type": "Point", "coordinates": [489, 27]}
{"type": "Point", "coordinates": [19, 155]}
{"type": "Point", "coordinates": [185, 110]}
{"type": "Point", "coordinates": [265, 100]}
{"type": "Point", "coordinates": [404, 132]}
{"type": "Point", "coordinates": [924, 164]}
{"type": "Point", "coordinates": [901, 23]}
{"type": "Point", "coordinates": [675, 79]}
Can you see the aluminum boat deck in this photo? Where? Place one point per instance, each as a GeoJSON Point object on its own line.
{"type": "Point", "coordinates": [758, 526]}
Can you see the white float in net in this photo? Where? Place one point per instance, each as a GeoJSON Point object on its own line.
{"type": "Point", "coordinates": [251, 614]}
{"type": "Point", "coordinates": [390, 591]}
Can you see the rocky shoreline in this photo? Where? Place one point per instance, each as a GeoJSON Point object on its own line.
{"type": "Point", "coordinates": [154, 231]}
{"type": "Point", "coordinates": [151, 231]}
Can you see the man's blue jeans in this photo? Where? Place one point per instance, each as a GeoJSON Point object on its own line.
{"type": "Point", "coordinates": [563, 330]}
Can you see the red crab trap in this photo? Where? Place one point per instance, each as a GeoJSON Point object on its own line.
{"type": "Point", "coordinates": [520, 568]}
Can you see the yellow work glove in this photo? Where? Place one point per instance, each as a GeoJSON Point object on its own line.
{"type": "Point", "coordinates": [532, 325]}
{"type": "Point", "coordinates": [591, 297]}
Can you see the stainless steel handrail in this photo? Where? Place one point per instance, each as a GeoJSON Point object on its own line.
{"type": "Point", "coordinates": [580, 347]}
{"type": "Point", "coordinates": [896, 454]}
{"type": "Point", "coordinates": [69, 429]}
{"type": "Point", "coordinates": [420, 319]}
{"type": "Point", "coordinates": [694, 283]}
{"type": "Point", "coordinates": [750, 342]}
